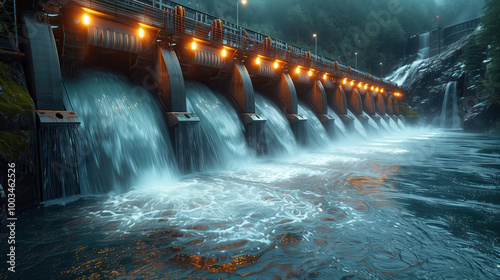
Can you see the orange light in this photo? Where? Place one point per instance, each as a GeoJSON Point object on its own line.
{"type": "Point", "coordinates": [257, 60]}
{"type": "Point", "coordinates": [310, 73]}
{"type": "Point", "coordinates": [86, 19]}
{"type": "Point", "coordinates": [360, 85]}
{"type": "Point", "coordinates": [297, 70]}
{"type": "Point", "coordinates": [397, 94]}
{"type": "Point", "coordinates": [141, 33]}
{"type": "Point", "coordinates": [325, 76]}
{"type": "Point", "coordinates": [224, 53]}
{"type": "Point", "coordinates": [352, 83]}
{"type": "Point", "coordinates": [193, 45]}
{"type": "Point", "coordinates": [344, 81]}
{"type": "Point", "coordinates": [382, 90]}
{"type": "Point", "coordinates": [366, 86]}
{"type": "Point", "coordinates": [372, 88]}
{"type": "Point", "coordinates": [377, 89]}
{"type": "Point", "coordinates": [276, 65]}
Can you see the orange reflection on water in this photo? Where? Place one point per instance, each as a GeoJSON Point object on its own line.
{"type": "Point", "coordinates": [209, 263]}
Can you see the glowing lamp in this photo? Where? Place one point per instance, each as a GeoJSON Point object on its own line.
{"type": "Point", "coordinates": [325, 76]}
{"type": "Point", "coordinates": [276, 65]}
{"type": "Point", "coordinates": [360, 85]}
{"type": "Point", "coordinates": [86, 19]}
{"type": "Point", "coordinates": [193, 45]}
{"type": "Point", "coordinates": [257, 60]}
{"type": "Point", "coordinates": [366, 86]}
{"type": "Point", "coordinates": [310, 73]}
{"type": "Point", "coordinates": [344, 81]}
{"type": "Point", "coordinates": [372, 88]}
{"type": "Point", "coordinates": [141, 33]}
{"type": "Point", "coordinates": [297, 70]}
{"type": "Point", "coordinates": [377, 89]}
{"type": "Point", "coordinates": [352, 83]}
{"type": "Point", "coordinates": [223, 53]}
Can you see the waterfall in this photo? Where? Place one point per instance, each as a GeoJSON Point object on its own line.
{"type": "Point", "coordinates": [451, 89]}
{"type": "Point", "coordinates": [123, 133]}
{"type": "Point", "coordinates": [339, 124]}
{"type": "Point", "coordinates": [371, 122]}
{"type": "Point", "coordinates": [393, 125]}
{"type": "Point", "coordinates": [223, 134]}
{"type": "Point", "coordinates": [60, 156]}
{"type": "Point", "coordinates": [316, 135]}
{"type": "Point", "coordinates": [424, 40]}
{"type": "Point", "coordinates": [383, 123]}
{"type": "Point", "coordinates": [358, 126]}
{"type": "Point", "coordinates": [279, 135]}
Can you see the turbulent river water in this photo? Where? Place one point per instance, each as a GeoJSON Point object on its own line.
{"type": "Point", "coordinates": [414, 204]}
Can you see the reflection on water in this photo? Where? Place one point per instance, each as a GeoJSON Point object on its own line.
{"type": "Point", "coordinates": [417, 205]}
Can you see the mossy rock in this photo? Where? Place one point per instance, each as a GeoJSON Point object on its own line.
{"type": "Point", "coordinates": [405, 110]}
{"type": "Point", "coordinates": [16, 105]}
{"type": "Point", "coordinates": [14, 143]}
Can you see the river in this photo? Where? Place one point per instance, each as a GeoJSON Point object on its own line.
{"type": "Point", "coordinates": [415, 204]}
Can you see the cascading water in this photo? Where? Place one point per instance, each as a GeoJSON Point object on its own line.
{"type": "Point", "coordinates": [451, 88]}
{"type": "Point", "coordinates": [223, 134]}
{"type": "Point", "coordinates": [339, 124]}
{"type": "Point", "coordinates": [59, 155]}
{"type": "Point", "coordinates": [358, 126]}
{"type": "Point", "coordinates": [316, 135]}
{"type": "Point", "coordinates": [372, 123]}
{"type": "Point", "coordinates": [124, 137]}
{"type": "Point", "coordinates": [383, 123]}
{"type": "Point", "coordinates": [424, 40]}
{"type": "Point", "coordinates": [393, 125]}
{"type": "Point", "coordinates": [280, 138]}
{"type": "Point", "coordinates": [401, 124]}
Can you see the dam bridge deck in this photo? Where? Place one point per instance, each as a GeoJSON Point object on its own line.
{"type": "Point", "coordinates": [171, 20]}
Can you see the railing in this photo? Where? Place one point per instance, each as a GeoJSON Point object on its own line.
{"type": "Point", "coordinates": [199, 25]}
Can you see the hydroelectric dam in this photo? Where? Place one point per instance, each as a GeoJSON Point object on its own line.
{"type": "Point", "coordinates": [171, 50]}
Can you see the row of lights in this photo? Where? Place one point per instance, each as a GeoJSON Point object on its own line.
{"type": "Point", "coordinates": [365, 86]}
{"type": "Point", "coordinates": [310, 73]}
{"type": "Point", "coordinates": [258, 61]}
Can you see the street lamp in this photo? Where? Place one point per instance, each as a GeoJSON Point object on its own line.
{"type": "Point", "coordinates": [356, 54]}
{"type": "Point", "coordinates": [380, 69]}
{"type": "Point", "coordinates": [315, 45]}
{"type": "Point", "coordinates": [243, 2]}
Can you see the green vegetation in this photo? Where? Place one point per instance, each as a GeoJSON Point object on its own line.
{"type": "Point", "coordinates": [405, 110]}
{"type": "Point", "coordinates": [14, 143]}
{"type": "Point", "coordinates": [14, 99]}
{"type": "Point", "coordinates": [377, 30]}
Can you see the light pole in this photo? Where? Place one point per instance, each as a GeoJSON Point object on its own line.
{"type": "Point", "coordinates": [243, 2]}
{"type": "Point", "coordinates": [380, 69]}
{"type": "Point", "coordinates": [356, 54]}
{"type": "Point", "coordinates": [315, 45]}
